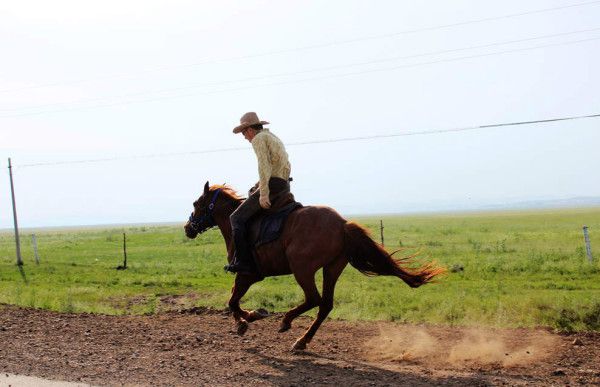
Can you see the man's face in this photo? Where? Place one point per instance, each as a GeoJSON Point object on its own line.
{"type": "Point", "coordinates": [249, 134]}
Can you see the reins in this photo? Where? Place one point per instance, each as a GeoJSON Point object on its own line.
{"type": "Point", "coordinates": [196, 223]}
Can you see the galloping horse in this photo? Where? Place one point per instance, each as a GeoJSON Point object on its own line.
{"type": "Point", "coordinates": [313, 237]}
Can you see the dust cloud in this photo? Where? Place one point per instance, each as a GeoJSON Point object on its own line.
{"type": "Point", "coordinates": [460, 347]}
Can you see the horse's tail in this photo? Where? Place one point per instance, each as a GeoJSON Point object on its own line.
{"type": "Point", "coordinates": [371, 259]}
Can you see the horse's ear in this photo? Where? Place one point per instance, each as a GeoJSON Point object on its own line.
{"type": "Point", "coordinates": [206, 187]}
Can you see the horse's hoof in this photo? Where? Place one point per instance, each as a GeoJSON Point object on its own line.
{"type": "Point", "coordinates": [284, 327]}
{"type": "Point", "coordinates": [299, 345]}
{"type": "Point", "coordinates": [242, 327]}
{"type": "Point", "coordinates": [257, 315]}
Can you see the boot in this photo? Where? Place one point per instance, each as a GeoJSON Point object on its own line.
{"type": "Point", "coordinates": [242, 260]}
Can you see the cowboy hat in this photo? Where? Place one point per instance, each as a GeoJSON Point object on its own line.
{"type": "Point", "coordinates": [248, 120]}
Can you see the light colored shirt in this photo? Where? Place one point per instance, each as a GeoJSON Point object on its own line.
{"type": "Point", "coordinates": [272, 159]}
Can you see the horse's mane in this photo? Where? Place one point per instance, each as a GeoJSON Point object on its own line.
{"type": "Point", "coordinates": [227, 191]}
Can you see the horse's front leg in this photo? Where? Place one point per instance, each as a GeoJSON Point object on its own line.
{"type": "Point", "coordinates": [241, 316]}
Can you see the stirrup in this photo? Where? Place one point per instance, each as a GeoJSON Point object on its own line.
{"type": "Point", "coordinates": [240, 268]}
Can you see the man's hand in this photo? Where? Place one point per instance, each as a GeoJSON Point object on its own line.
{"type": "Point", "coordinates": [264, 202]}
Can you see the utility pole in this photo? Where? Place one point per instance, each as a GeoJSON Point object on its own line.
{"type": "Point", "coordinates": [12, 191]}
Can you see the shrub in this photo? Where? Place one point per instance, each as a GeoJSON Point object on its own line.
{"type": "Point", "coordinates": [591, 318]}
{"type": "Point", "coordinates": [566, 320]}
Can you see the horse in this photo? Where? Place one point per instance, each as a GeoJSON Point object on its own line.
{"type": "Point", "coordinates": [313, 237]}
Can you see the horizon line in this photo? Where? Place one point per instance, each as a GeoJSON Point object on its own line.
{"type": "Point", "coordinates": [471, 211]}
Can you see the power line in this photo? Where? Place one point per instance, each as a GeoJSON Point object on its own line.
{"type": "Point", "coordinates": [327, 141]}
{"type": "Point", "coordinates": [309, 47]}
{"type": "Point", "coordinates": [451, 130]}
{"type": "Point", "coordinates": [327, 68]}
{"type": "Point", "coordinates": [154, 99]}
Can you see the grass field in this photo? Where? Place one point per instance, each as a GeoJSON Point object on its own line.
{"type": "Point", "coordinates": [518, 269]}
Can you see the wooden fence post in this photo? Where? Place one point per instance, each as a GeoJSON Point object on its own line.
{"type": "Point", "coordinates": [35, 251]}
{"type": "Point", "coordinates": [588, 247]}
{"type": "Point", "coordinates": [381, 231]}
{"type": "Point", "coordinates": [124, 251]}
{"type": "Point", "coordinates": [124, 265]}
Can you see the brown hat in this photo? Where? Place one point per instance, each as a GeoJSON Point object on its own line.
{"type": "Point", "coordinates": [247, 120]}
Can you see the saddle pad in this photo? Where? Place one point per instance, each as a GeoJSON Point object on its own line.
{"type": "Point", "coordinates": [271, 225]}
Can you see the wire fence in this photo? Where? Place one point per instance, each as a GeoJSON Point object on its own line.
{"type": "Point", "coordinates": [319, 141]}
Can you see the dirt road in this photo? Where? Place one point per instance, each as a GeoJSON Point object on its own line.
{"type": "Point", "coordinates": [200, 347]}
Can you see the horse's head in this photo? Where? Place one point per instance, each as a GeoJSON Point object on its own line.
{"type": "Point", "coordinates": [201, 218]}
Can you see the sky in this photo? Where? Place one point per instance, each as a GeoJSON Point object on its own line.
{"type": "Point", "coordinates": [155, 88]}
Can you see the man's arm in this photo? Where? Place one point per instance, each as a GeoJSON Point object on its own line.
{"type": "Point", "coordinates": [259, 144]}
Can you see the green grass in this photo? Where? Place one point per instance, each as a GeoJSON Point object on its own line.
{"type": "Point", "coordinates": [519, 269]}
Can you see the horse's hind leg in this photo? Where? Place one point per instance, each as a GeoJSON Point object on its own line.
{"type": "Point", "coordinates": [241, 316]}
{"type": "Point", "coordinates": [312, 298]}
{"type": "Point", "coordinates": [331, 273]}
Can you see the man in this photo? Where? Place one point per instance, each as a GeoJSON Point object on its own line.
{"type": "Point", "coordinates": [274, 173]}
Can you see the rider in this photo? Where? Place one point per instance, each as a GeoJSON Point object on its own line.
{"type": "Point", "coordinates": [274, 175]}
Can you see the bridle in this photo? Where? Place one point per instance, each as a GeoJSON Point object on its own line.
{"type": "Point", "coordinates": [207, 218]}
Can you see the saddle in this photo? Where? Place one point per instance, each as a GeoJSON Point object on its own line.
{"type": "Point", "coordinates": [267, 225]}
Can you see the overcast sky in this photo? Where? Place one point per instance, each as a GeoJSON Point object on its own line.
{"type": "Point", "coordinates": [82, 80]}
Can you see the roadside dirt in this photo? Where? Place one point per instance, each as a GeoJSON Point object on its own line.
{"type": "Point", "coordinates": [200, 347]}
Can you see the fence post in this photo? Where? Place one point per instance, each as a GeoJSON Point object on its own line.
{"type": "Point", "coordinates": [124, 265]}
{"type": "Point", "coordinates": [35, 252]}
{"type": "Point", "coordinates": [124, 251]}
{"type": "Point", "coordinates": [381, 231]}
{"type": "Point", "coordinates": [588, 247]}
{"type": "Point", "coordinates": [12, 191]}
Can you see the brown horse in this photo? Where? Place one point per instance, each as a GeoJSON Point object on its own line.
{"type": "Point", "coordinates": [313, 237]}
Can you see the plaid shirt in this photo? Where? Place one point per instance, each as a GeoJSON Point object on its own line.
{"type": "Point", "coordinates": [272, 159]}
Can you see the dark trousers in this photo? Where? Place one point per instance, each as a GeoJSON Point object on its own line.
{"type": "Point", "coordinates": [244, 212]}
{"type": "Point", "coordinates": [247, 210]}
